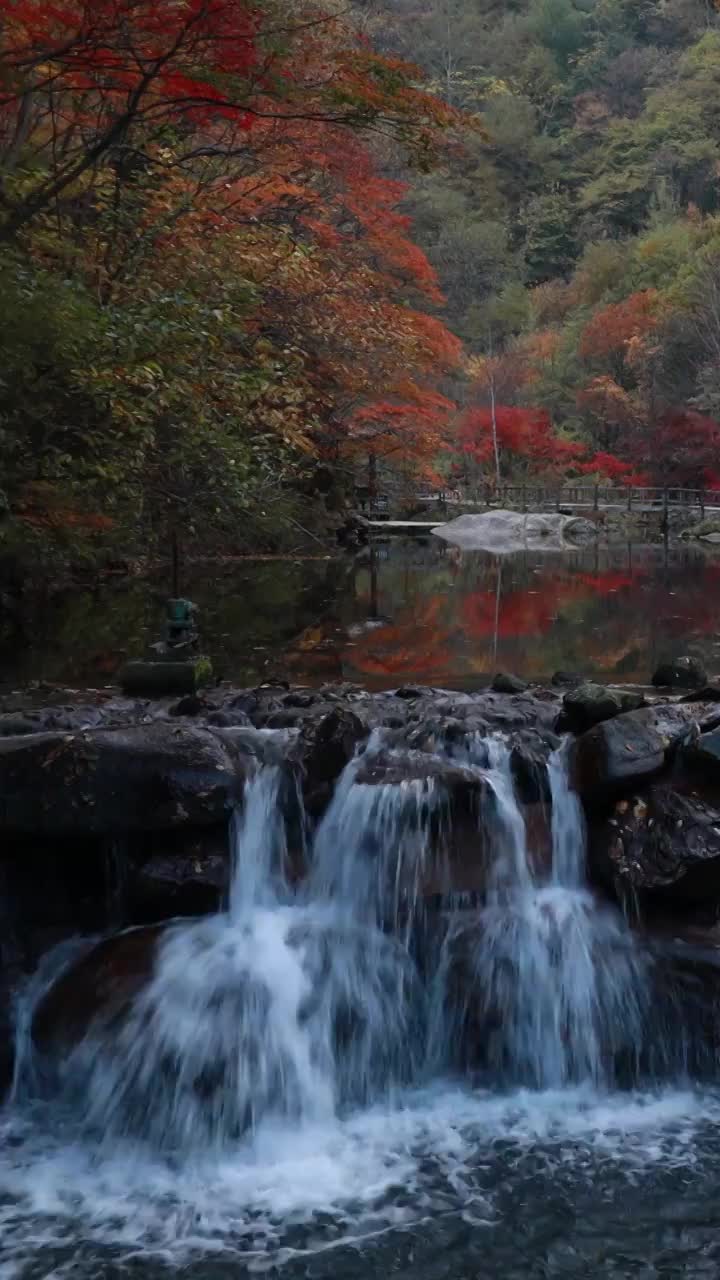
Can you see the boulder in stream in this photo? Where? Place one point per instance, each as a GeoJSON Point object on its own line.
{"type": "Point", "coordinates": [507, 531]}
{"type": "Point", "coordinates": [506, 683]}
{"type": "Point", "coordinates": [588, 705]}
{"type": "Point", "coordinates": [141, 778]}
{"type": "Point", "coordinates": [326, 747]}
{"type": "Point", "coordinates": [680, 673]}
{"type": "Point", "coordinates": [616, 755]}
{"type": "Point", "coordinates": [662, 841]}
{"type": "Point", "coordinates": [98, 987]}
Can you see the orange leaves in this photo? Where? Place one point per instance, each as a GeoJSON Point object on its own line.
{"type": "Point", "coordinates": [619, 327]}
{"type": "Point", "coordinates": [541, 349]}
{"type": "Point", "coordinates": [606, 399]}
{"type": "Point", "coordinates": [415, 424]}
{"type": "Point", "coordinates": [205, 163]}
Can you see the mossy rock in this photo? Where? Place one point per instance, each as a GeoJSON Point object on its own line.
{"type": "Point", "coordinates": [158, 679]}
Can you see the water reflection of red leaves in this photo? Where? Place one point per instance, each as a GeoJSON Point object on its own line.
{"type": "Point", "coordinates": [433, 639]}
{"type": "Point", "coordinates": [416, 643]}
{"type": "Point", "coordinates": [524, 613]}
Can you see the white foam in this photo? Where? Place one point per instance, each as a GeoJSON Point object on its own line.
{"type": "Point", "coordinates": [299, 1191]}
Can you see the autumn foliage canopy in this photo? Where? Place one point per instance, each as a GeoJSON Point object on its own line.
{"type": "Point", "coordinates": [244, 278]}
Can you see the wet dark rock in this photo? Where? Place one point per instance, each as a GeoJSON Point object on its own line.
{"type": "Point", "coordinates": [633, 701]}
{"type": "Point", "coordinates": [293, 717]}
{"type": "Point", "coordinates": [15, 726]}
{"type": "Point", "coordinates": [97, 988]}
{"type": "Point", "coordinates": [588, 705]}
{"type": "Point", "coordinates": [567, 680]}
{"type": "Point", "coordinates": [50, 720]}
{"type": "Point", "coordinates": [528, 764]}
{"type": "Point", "coordinates": [187, 876]}
{"type": "Point", "coordinates": [410, 692]}
{"type": "Point", "coordinates": [617, 754]}
{"type": "Point", "coordinates": [458, 801]}
{"type": "Point", "coordinates": [228, 719]}
{"type": "Point", "coordinates": [180, 885]}
{"type": "Point", "coordinates": [300, 698]}
{"type": "Point", "coordinates": [325, 748]}
{"type": "Point", "coordinates": [703, 754]}
{"type": "Point", "coordinates": [681, 673]}
{"type": "Point", "coordinates": [144, 778]}
{"type": "Point", "coordinates": [246, 702]}
{"type": "Point", "coordinates": [191, 705]}
{"type": "Point", "coordinates": [708, 693]}
{"type": "Point", "coordinates": [662, 841]}
{"type": "Point", "coordinates": [397, 767]}
{"type": "Point", "coordinates": [440, 733]}
{"type": "Point", "coordinates": [505, 683]}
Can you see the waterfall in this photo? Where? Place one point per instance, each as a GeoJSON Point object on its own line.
{"type": "Point", "coordinates": [568, 824]}
{"type": "Point", "coordinates": [375, 844]}
{"type": "Point", "coordinates": [282, 1007]}
{"type": "Point", "coordinates": [556, 983]}
{"type": "Point", "coordinates": [298, 1002]}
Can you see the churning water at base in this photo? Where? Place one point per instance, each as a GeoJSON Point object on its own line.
{"type": "Point", "coordinates": [286, 1082]}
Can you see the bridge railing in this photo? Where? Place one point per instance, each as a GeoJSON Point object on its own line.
{"type": "Point", "coordinates": [587, 497]}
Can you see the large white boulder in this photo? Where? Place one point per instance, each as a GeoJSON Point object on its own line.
{"type": "Point", "coordinates": [504, 531]}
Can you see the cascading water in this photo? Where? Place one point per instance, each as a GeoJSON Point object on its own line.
{"type": "Point", "coordinates": [284, 1007]}
{"type": "Point", "coordinates": [290, 1055]}
{"type": "Point", "coordinates": [555, 982]}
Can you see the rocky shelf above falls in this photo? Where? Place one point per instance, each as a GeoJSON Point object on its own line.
{"type": "Point", "coordinates": [117, 813]}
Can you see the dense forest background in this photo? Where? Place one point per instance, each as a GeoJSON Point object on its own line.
{"type": "Point", "coordinates": [577, 236]}
{"type": "Point", "coordinates": [254, 255]}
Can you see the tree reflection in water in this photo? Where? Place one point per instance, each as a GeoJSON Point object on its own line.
{"type": "Point", "coordinates": [454, 616]}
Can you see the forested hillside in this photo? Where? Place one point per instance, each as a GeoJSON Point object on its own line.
{"type": "Point", "coordinates": [578, 236]}
{"type": "Point", "coordinates": [206, 280]}
{"type": "Point", "coordinates": [252, 254]}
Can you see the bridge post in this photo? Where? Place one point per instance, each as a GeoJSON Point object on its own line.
{"type": "Point", "coordinates": [596, 498]}
{"type": "Point", "coordinates": [702, 504]}
{"type": "Point", "coordinates": [630, 497]}
{"type": "Point", "coordinates": [523, 498]}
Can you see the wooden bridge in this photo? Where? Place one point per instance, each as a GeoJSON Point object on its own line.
{"type": "Point", "coordinates": [535, 497]}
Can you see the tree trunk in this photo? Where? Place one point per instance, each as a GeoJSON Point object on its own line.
{"type": "Point", "coordinates": [496, 449]}
{"type": "Point", "coordinates": [372, 478]}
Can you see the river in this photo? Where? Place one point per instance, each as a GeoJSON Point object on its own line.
{"type": "Point", "coordinates": [403, 611]}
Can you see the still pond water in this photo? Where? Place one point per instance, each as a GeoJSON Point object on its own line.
{"type": "Point", "coordinates": [404, 611]}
